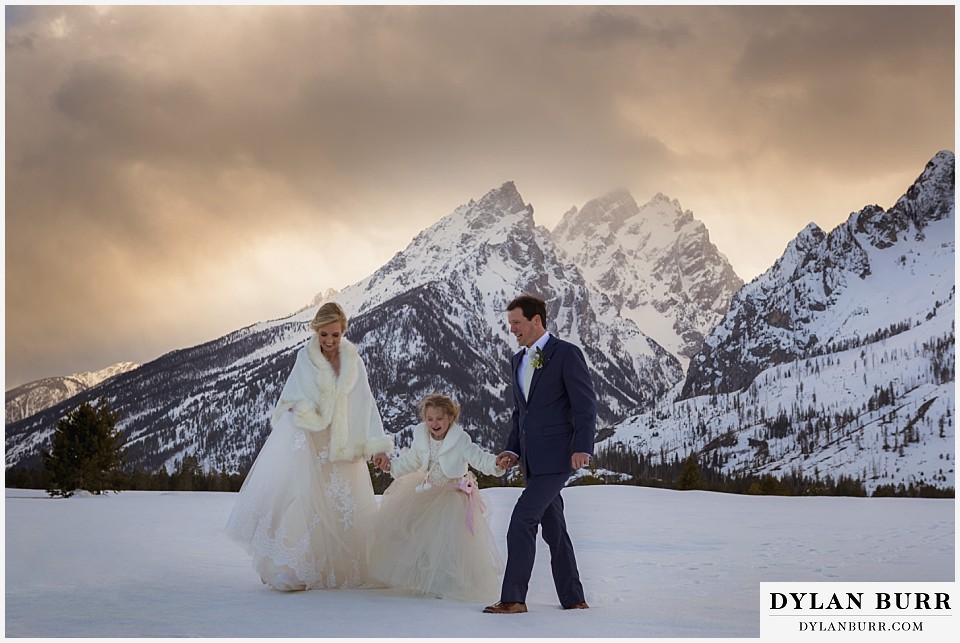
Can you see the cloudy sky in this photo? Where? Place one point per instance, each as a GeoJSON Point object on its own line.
{"type": "Point", "coordinates": [176, 173]}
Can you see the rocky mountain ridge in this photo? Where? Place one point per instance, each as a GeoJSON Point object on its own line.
{"type": "Point", "coordinates": [31, 398]}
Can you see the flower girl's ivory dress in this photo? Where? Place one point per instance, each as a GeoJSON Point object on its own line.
{"type": "Point", "coordinates": [433, 533]}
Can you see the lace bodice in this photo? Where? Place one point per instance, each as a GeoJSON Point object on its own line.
{"type": "Point", "coordinates": [434, 472]}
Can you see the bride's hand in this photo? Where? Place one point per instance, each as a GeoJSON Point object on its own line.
{"type": "Point", "coordinates": [381, 461]}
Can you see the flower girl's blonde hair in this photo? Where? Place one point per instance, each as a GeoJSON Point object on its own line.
{"type": "Point", "coordinates": [442, 402]}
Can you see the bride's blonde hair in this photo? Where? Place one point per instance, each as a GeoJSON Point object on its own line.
{"type": "Point", "coordinates": [329, 313]}
{"type": "Point", "coordinates": [442, 402]}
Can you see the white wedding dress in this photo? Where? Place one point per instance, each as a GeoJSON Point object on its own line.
{"type": "Point", "coordinates": [305, 520]}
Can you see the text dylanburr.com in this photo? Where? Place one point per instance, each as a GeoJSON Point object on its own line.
{"type": "Point", "coordinates": [860, 611]}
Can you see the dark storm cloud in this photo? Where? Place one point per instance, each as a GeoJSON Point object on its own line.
{"type": "Point", "coordinates": [179, 171]}
{"type": "Point", "coordinates": [609, 27]}
{"type": "Point", "coordinates": [837, 85]}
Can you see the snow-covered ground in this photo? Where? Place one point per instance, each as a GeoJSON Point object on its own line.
{"type": "Point", "coordinates": [654, 563]}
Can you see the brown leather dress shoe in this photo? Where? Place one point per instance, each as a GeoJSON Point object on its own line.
{"type": "Point", "coordinates": [501, 607]}
{"type": "Point", "coordinates": [582, 605]}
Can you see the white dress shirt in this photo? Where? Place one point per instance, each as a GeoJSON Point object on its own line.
{"type": "Point", "coordinates": [531, 351]}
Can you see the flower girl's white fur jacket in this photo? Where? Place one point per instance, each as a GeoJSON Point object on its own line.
{"type": "Point", "coordinates": [457, 451]}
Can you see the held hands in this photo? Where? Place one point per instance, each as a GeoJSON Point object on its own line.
{"type": "Point", "coordinates": [382, 462]}
{"type": "Point", "coordinates": [506, 460]}
{"type": "Point", "coordinates": [580, 460]}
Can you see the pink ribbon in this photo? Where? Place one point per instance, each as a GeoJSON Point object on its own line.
{"type": "Point", "coordinates": [468, 486]}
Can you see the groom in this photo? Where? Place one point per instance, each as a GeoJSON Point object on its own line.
{"type": "Point", "coordinates": [554, 421]}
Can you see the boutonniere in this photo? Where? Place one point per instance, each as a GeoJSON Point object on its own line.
{"type": "Point", "coordinates": [537, 361]}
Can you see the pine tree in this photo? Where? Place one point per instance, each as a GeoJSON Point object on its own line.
{"type": "Point", "coordinates": [690, 477]}
{"type": "Point", "coordinates": [86, 452]}
{"type": "Point", "coordinates": [185, 475]}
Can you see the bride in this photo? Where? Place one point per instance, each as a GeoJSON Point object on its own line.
{"type": "Point", "coordinates": [306, 509]}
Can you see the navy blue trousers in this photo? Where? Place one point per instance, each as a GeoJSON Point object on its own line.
{"type": "Point", "coordinates": [540, 505]}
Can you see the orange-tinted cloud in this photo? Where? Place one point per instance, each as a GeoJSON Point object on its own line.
{"type": "Point", "coordinates": [173, 173]}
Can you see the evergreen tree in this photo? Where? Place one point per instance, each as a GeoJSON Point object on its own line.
{"type": "Point", "coordinates": [86, 451]}
{"type": "Point", "coordinates": [690, 477]}
{"type": "Point", "coordinates": [163, 479]}
{"type": "Point", "coordinates": [185, 477]}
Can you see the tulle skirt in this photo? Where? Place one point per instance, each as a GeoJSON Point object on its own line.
{"type": "Point", "coordinates": [306, 521]}
{"type": "Point", "coordinates": [424, 542]}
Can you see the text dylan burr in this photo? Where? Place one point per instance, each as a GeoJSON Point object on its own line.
{"type": "Point", "coordinates": [855, 601]}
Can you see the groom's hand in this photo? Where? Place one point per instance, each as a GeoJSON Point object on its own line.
{"type": "Point", "coordinates": [580, 460]}
{"type": "Point", "coordinates": [506, 460]}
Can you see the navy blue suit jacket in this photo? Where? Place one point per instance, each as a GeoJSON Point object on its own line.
{"type": "Point", "coordinates": [560, 417]}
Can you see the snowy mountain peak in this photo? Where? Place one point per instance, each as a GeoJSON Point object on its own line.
{"type": "Point", "coordinates": [92, 378]}
{"type": "Point", "coordinates": [472, 230]}
{"type": "Point", "coordinates": [811, 232]}
{"type": "Point", "coordinates": [609, 213]}
{"type": "Point", "coordinates": [936, 181]}
{"type": "Point", "coordinates": [796, 253]}
{"type": "Point", "coordinates": [929, 199]}
{"type": "Point", "coordinates": [321, 297]}
{"type": "Point", "coordinates": [662, 198]}
{"type": "Point", "coordinates": [505, 198]}
{"type": "Point", "coordinates": [502, 207]}
{"type": "Point", "coordinates": [822, 295]}
{"type": "Point", "coordinates": [33, 397]}
{"type": "Point", "coordinates": [655, 262]}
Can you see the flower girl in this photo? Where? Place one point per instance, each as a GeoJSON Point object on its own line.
{"type": "Point", "coordinates": [432, 534]}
